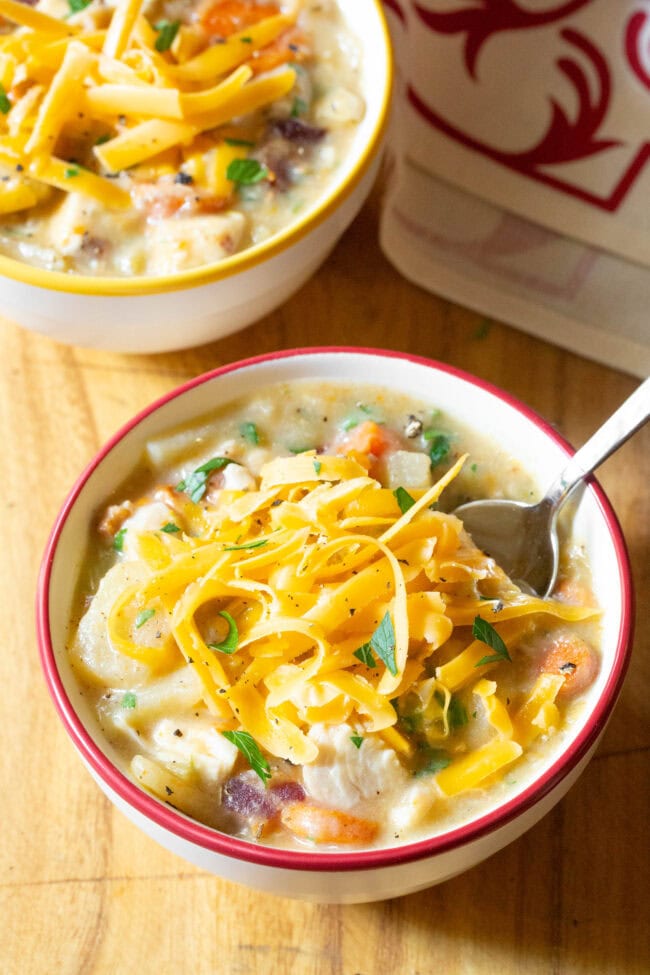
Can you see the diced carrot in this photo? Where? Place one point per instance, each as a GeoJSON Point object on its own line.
{"type": "Point", "coordinates": [572, 591]}
{"type": "Point", "coordinates": [226, 17]}
{"type": "Point", "coordinates": [367, 438]}
{"type": "Point", "coordinates": [574, 660]}
{"type": "Point", "coordinates": [327, 825]}
{"type": "Point", "coordinates": [292, 45]}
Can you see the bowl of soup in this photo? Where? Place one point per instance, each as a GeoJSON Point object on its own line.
{"type": "Point", "coordinates": [279, 653]}
{"type": "Point", "coordinates": [171, 173]}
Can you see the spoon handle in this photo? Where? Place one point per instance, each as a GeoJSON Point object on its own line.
{"type": "Point", "coordinates": [627, 419]}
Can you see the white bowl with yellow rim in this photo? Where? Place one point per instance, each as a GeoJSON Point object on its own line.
{"type": "Point", "coordinates": [190, 307]}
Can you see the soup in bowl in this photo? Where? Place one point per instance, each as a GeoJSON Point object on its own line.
{"type": "Point", "coordinates": [146, 149]}
{"type": "Point", "coordinates": [281, 654]}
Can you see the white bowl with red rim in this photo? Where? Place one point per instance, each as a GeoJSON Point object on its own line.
{"type": "Point", "coordinates": [350, 876]}
{"type": "Point", "coordinates": [144, 314]}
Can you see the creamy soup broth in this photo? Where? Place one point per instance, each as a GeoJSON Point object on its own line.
{"type": "Point", "coordinates": [81, 201]}
{"type": "Point", "coordinates": [380, 758]}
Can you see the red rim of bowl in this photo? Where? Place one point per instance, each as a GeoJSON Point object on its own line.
{"type": "Point", "coordinates": [193, 832]}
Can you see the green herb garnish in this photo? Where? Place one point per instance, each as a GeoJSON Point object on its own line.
{"type": "Point", "coordinates": [129, 700]}
{"type": "Point", "coordinates": [299, 107]}
{"type": "Point", "coordinates": [71, 172]}
{"type": "Point", "coordinates": [256, 543]}
{"type": "Point", "coordinates": [102, 139]}
{"type": "Point", "coordinates": [249, 433]}
{"type": "Point", "coordinates": [456, 714]}
{"type": "Point", "coordinates": [170, 528]}
{"type": "Point", "coordinates": [317, 467]}
{"type": "Point", "coordinates": [194, 485]}
{"type": "Point", "coordinates": [143, 616]}
{"type": "Point", "coordinates": [167, 31]}
{"type": "Point", "coordinates": [485, 632]}
{"type": "Point", "coordinates": [440, 446]}
{"type": "Point", "coordinates": [76, 6]}
{"type": "Point", "coordinates": [118, 539]}
{"type": "Point", "coordinates": [435, 761]}
{"type": "Point", "coordinates": [246, 171]}
{"type": "Point", "coordinates": [349, 424]}
{"type": "Point", "coordinates": [382, 642]}
{"type": "Point", "coordinates": [246, 40]}
{"type": "Point", "coordinates": [357, 740]}
{"type": "Point", "coordinates": [365, 655]}
{"type": "Point", "coordinates": [5, 104]}
{"type": "Point", "coordinates": [229, 645]}
{"type": "Point", "coordinates": [239, 142]}
{"type": "Point", "coordinates": [251, 752]}
{"type": "Point", "coordinates": [404, 499]}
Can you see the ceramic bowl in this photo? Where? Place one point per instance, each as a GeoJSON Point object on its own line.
{"type": "Point", "coordinates": [378, 873]}
{"type": "Point", "coordinates": [189, 308]}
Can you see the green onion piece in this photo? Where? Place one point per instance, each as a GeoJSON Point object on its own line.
{"type": "Point", "coordinates": [170, 528]}
{"type": "Point", "coordinates": [485, 632]}
{"type": "Point", "coordinates": [299, 107]}
{"type": "Point", "coordinates": [239, 142]}
{"type": "Point", "coordinates": [76, 6]}
{"type": "Point", "coordinates": [246, 171]}
{"type": "Point", "coordinates": [143, 616]}
{"type": "Point", "coordinates": [456, 714]}
{"type": "Point", "coordinates": [317, 467]}
{"type": "Point", "coordinates": [404, 499]}
{"type": "Point", "coordinates": [102, 139]}
{"type": "Point", "coordinates": [167, 31]}
{"type": "Point", "coordinates": [129, 700]}
{"type": "Point", "coordinates": [440, 446]}
{"type": "Point", "coordinates": [229, 645]}
{"type": "Point", "coordinates": [71, 172]}
{"type": "Point", "coordinates": [357, 740]}
{"type": "Point", "coordinates": [435, 760]}
{"type": "Point", "coordinates": [251, 752]}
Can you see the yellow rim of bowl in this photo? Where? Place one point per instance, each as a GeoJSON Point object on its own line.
{"type": "Point", "coordinates": [246, 259]}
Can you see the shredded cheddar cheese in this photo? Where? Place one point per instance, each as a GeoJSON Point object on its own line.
{"type": "Point", "coordinates": [113, 95]}
{"type": "Point", "coordinates": [309, 591]}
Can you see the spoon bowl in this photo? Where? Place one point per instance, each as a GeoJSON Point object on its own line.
{"type": "Point", "coordinates": [522, 537]}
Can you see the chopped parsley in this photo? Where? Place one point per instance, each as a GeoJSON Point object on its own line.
{"type": "Point", "coordinates": [250, 433]}
{"type": "Point", "coordinates": [357, 740]}
{"type": "Point", "coordinates": [245, 172]}
{"type": "Point", "coordinates": [118, 539]}
{"type": "Point", "coordinates": [5, 104]}
{"type": "Point", "coordinates": [433, 760]}
{"type": "Point", "coordinates": [404, 499]}
{"type": "Point", "coordinates": [194, 485]}
{"type": "Point", "coordinates": [167, 31]}
{"type": "Point", "coordinates": [365, 655]}
{"type": "Point", "coordinates": [229, 645]}
{"type": "Point", "coordinates": [485, 632]}
{"type": "Point", "coordinates": [456, 714]}
{"type": "Point", "coordinates": [256, 543]}
{"type": "Point", "coordinates": [239, 142]}
{"type": "Point", "coordinates": [129, 700]}
{"type": "Point", "coordinates": [251, 752]}
{"type": "Point", "coordinates": [71, 172]}
{"type": "Point", "coordinates": [143, 616]}
{"type": "Point", "coordinates": [299, 107]}
{"type": "Point", "coordinates": [317, 467]}
{"type": "Point", "coordinates": [102, 139]}
{"type": "Point", "coordinates": [76, 6]}
{"type": "Point", "coordinates": [170, 528]}
{"type": "Point", "coordinates": [440, 445]}
{"type": "Point", "coordinates": [382, 642]}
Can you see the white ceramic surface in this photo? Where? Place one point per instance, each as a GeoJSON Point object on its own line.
{"type": "Point", "coordinates": [203, 304]}
{"type": "Point", "coordinates": [374, 874]}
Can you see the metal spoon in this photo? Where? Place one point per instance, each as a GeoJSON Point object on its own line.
{"type": "Point", "coordinates": [522, 538]}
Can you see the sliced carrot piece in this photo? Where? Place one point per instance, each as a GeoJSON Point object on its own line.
{"type": "Point", "coordinates": [574, 660]}
{"type": "Point", "coordinates": [327, 825]}
{"type": "Point", "coordinates": [229, 16]}
{"type": "Point", "coordinates": [368, 438]}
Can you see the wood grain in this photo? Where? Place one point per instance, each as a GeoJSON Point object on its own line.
{"type": "Point", "coordinates": [82, 892]}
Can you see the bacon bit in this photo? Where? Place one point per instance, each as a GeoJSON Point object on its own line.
{"type": "Point", "coordinates": [113, 519]}
{"type": "Point", "coordinates": [260, 808]}
{"type": "Point", "coordinates": [327, 825]}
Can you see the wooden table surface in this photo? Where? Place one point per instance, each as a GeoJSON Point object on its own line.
{"type": "Point", "coordinates": [84, 892]}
